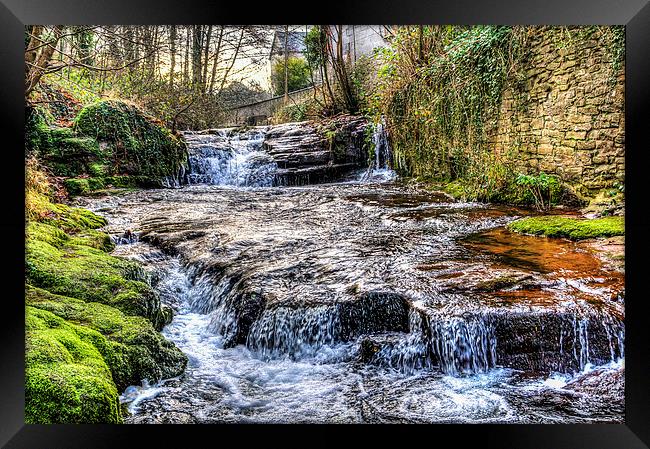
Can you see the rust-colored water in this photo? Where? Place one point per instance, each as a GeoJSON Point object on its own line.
{"type": "Point", "coordinates": [570, 270]}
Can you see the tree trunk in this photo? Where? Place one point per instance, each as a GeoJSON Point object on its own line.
{"type": "Point", "coordinates": [172, 56]}
{"type": "Point", "coordinates": [196, 56]}
{"type": "Point", "coordinates": [324, 37]}
{"type": "Point", "coordinates": [215, 62]}
{"type": "Point", "coordinates": [31, 51]}
{"type": "Point", "coordinates": [38, 69]}
{"type": "Point", "coordinates": [204, 77]}
{"type": "Point", "coordinates": [232, 63]}
{"type": "Point", "coordinates": [129, 46]}
{"type": "Point", "coordinates": [186, 66]}
{"type": "Point", "coordinates": [286, 64]}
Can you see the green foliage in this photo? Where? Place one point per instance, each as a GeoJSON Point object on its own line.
{"type": "Point", "coordinates": [571, 228]}
{"type": "Point", "coordinates": [137, 144]}
{"type": "Point", "coordinates": [616, 36]}
{"type": "Point", "coordinates": [291, 113]}
{"type": "Point", "coordinates": [369, 144]}
{"type": "Point", "coordinates": [440, 89]}
{"type": "Point", "coordinates": [316, 47]}
{"type": "Point", "coordinates": [544, 189]}
{"type": "Point", "coordinates": [441, 107]}
{"type": "Point", "coordinates": [299, 75]}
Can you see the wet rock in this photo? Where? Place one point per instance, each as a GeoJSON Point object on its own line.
{"type": "Point", "coordinates": [374, 312]}
{"type": "Point", "coordinates": [289, 154]}
{"type": "Point", "coordinates": [308, 153]}
{"type": "Point", "coordinates": [556, 341]}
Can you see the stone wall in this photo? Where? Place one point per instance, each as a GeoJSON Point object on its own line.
{"type": "Point", "coordinates": [258, 113]}
{"type": "Point", "coordinates": [567, 117]}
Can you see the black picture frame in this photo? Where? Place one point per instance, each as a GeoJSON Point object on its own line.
{"type": "Point", "coordinates": [635, 14]}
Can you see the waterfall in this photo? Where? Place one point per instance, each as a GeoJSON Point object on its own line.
{"type": "Point", "coordinates": [296, 333]}
{"type": "Point", "coordinates": [410, 352]}
{"type": "Point", "coordinates": [457, 345]}
{"type": "Point", "coordinates": [583, 331]}
{"type": "Point", "coordinates": [230, 158]}
{"type": "Point", "coordinates": [464, 345]}
{"type": "Point", "coordinates": [381, 168]}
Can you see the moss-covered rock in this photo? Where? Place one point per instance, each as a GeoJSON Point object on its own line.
{"type": "Point", "coordinates": [91, 318]}
{"type": "Point", "coordinates": [91, 322]}
{"type": "Point", "coordinates": [571, 228]}
{"type": "Point", "coordinates": [129, 182]}
{"type": "Point", "coordinates": [112, 144]}
{"type": "Point", "coordinates": [66, 377]}
{"type": "Point", "coordinates": [81, 186]}
{"type": "Point", "coordinates": [65, 153]}
{"type": "Point", "coordinates": [71, 219]}
{"type": "Point", "coordinates": [37, 132]}
{"type": "Point", "coordinates": [81, 268]}
{"type": "Point", "coordinates": [139, 145]}
{"type": "Point", "coordinates": [133, 349]}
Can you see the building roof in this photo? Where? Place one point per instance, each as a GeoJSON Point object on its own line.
{"type": "Point", "coordinates": [295, 42]}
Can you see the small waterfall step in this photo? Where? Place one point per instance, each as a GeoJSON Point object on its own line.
{"type": "Point", "coordinates": [282, 155]}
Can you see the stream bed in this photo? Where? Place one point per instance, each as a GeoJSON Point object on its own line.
{"type": "Point", "coordinates": [365, 300]}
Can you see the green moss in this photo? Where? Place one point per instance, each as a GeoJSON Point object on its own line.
{"type": "Point", "coordinates": [81, 268]}
{"type": "Point", "coordinates": [66, 378]}
{"type": "Point", "coordinates": [72, 219]}
{"type": "Point", "coordinates": [94, 239]}
{"type": "Point", "coordinates": [139, 145]}
{"type": "Point", "coordinates": [65, 153]}
{"type": "Point", "coordinates": [98, 169]}
{"type": "Point", "coordinates": [82, 186]}
{"type": "Point", "coordinates": [126, 182]}
{"type": "Point", "coordinates": [37, 132]}
{"type": "Point", "coordinates": [91, 321]}
{"type": "Point", "coordinates": [572, 228]}
{"type": "Point", "coordinates": [132, 348]}
{"type": "Point", "coordinates": [456, 189]}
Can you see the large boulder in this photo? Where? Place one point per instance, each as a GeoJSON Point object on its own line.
{"type": "Point", "coordinates": [134, 143]}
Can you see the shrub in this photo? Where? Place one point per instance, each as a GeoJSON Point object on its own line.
{"type": "Point", "coordinates": [299, 75]}
{"type": "Point", "coordinates": [543, 188]}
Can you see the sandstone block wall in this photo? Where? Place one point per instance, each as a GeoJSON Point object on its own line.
{"type": "Point", "coordinates": [568, 115]}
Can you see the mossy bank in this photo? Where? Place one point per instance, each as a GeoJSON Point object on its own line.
{"type": "Point", "coordinates": [111, 144]}
{"type": "Point", "coordinates": [571, 228]}
{"type": "Point", "coordinates": [92, 321]}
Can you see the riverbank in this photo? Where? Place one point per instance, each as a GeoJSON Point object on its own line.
{"type": "Point", "coordinates": [92, 319]}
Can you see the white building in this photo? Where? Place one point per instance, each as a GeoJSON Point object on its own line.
{"type": "Point", "coordinates": [360, 40]}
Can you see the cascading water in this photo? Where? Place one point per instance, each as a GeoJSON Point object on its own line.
{"type": "Point", "coordinates": [230, 158]}
{"type": "Point", "coordinates": [464, 345]}
{"type": "Point", "coordinates": [329, 304]}
{"type": "Point", "coordinates": [380, 169]}
{"type": "Point", "coordinates": [295, 333]}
